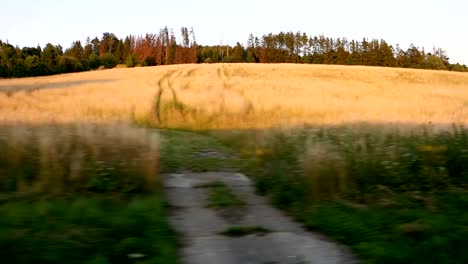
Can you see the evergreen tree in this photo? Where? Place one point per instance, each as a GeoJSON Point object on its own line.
{"type": "Point", "coordinates": [76, 50]}
{"type": "Point", "coordinates": [162, 48]}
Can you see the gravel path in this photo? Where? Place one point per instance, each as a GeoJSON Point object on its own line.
{"type": "Point", "coordinates": [200, 227]}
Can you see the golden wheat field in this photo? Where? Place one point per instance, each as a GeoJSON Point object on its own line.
{"type": "Point", "coordinates": [240, 96]}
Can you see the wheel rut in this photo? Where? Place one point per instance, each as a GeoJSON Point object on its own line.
{"type": "Point", "coordinates": [228, 91]}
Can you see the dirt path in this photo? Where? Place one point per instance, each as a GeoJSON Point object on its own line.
{"type": "Point", "coordinates": [200, 227]}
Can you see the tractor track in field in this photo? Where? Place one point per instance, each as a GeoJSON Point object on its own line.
{"type": "Point", "coordinates": [165, 83]}
{"type": "Point", "coordinates": [227, 86]}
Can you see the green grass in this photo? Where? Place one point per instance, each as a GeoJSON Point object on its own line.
{"type": "Point", "coordinates": [392, 196]}
{"type": "Point", "coordinates": [408, 233]}
{"type": "Point", "coordinates": [239, 231]}
{"type": "Point", "coordinates": [183, 151]}
{"type": "Point", "coordinates": [97, 229]}
{"type": "Point", "coordinates": [220, 196]}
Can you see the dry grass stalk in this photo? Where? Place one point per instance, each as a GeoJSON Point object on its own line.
{"type": "Point", "coordinates": [72, 157]}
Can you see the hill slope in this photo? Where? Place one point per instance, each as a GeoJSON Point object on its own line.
{"type": "Point", "coordinates": [241, 95]}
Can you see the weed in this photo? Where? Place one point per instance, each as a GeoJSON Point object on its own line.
{"type": "Point", "coordinates": [220, 196]}
{"type": "Point", "coordinates": [179, 152]}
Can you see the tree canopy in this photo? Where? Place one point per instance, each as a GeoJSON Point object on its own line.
{"type": "Point", "coordinates": [163, 49]}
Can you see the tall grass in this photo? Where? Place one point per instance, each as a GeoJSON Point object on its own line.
{"type": "Point", "coordinates": [395, 195]}
{"type": "Point", "coordinates": [77, 158]}
{"type": "Point", "coordinates": [82, 193]}
{"type": "Point", "coordinates": [349, 162]}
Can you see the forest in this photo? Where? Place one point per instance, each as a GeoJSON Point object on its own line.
{"type": "Point", "coordinates": [165, 48]}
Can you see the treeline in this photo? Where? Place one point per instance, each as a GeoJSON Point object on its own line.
{"type": "Point", "coordinates": [164, 49]}
{"type": "Point", "coordinates": [299, 48]}
{"type": "Point", "coordinates": [106, 52]}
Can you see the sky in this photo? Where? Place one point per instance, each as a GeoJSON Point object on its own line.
{"type": "Point", "coordinates": [424, 23]}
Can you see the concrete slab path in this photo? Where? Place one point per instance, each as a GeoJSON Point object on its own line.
{"type": "Point", "coordinates": [200, 227]}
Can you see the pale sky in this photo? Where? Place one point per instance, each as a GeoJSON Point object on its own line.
{"type": "Point", "coordinates": [425, 23]}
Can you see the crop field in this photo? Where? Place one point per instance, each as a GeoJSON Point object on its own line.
{"type": "Point", "coordinates": [261, 96]}
{"type": "Point", "coordinates": [254, 96]}
{"type": "Point", "coordinates": [376, 158]}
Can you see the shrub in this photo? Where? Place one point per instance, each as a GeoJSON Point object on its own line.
{"type": "Point", "coordinates": [434, 62]}
{"type": "Point", "coordinates": [149, 61]}
{"type": "Point", "coordinates": [94, 61]}
{"type": "Point", "coordinates": [109, 61]}
{"type": "Point", "coordinates": [68, 64]}
{"type": "Point", "coordinates": [131, 61]}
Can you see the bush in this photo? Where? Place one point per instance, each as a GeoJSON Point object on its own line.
{"type": "Point", "coordinates": [435, 63]}
{"type": "Point", "coordinates": [149, 61]}
{"type": "Point", "coordinates": [131, 61]}
{"type": "Point", "coordinates": [94, 61]}
{"type": "Point", "coordinates": [109, 61]}
{"type": "Point", "coordinates": [68, 64]}
{"type": "Point", "coordinates": [3, 71]}
{"type": "Point", "coordinates": [458, 67]}
{"type": "Point", "coordinates": [34, 66]}
{"type": "Point", "coordinates": [84, 63]}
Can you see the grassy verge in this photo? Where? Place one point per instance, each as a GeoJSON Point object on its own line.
{"type": "Point", "coordinates": [97, 229]}
{"type": "Point", "coordinates": [408, 233]}
{"type": "Point", "coordinates": [220, 196]}
{"type": "Point", "coordinates": [393, 196]}
{"type": "Point", "coordinates": [82, 194]}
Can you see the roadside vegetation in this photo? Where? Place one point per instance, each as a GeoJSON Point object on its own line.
{"type": "Point", "coordinates": [82, 193]}
{"type": "Point", "coordinates": [393, 195]}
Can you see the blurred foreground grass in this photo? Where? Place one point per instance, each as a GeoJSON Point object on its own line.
{"type": "Point", "coordinates": [98, 229]}
{"type": "Point", "coordinates": [82, 193]}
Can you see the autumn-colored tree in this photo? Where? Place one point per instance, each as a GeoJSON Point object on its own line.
{"type": "Point", "coordinates": [193, 48]}
{"type": "Point", "coordinates": [163, 49]}
{"type": "Point", "coordinates": [145, 49]}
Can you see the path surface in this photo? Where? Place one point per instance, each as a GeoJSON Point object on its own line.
{"type": "Point", "coordinates": [199, 226]}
